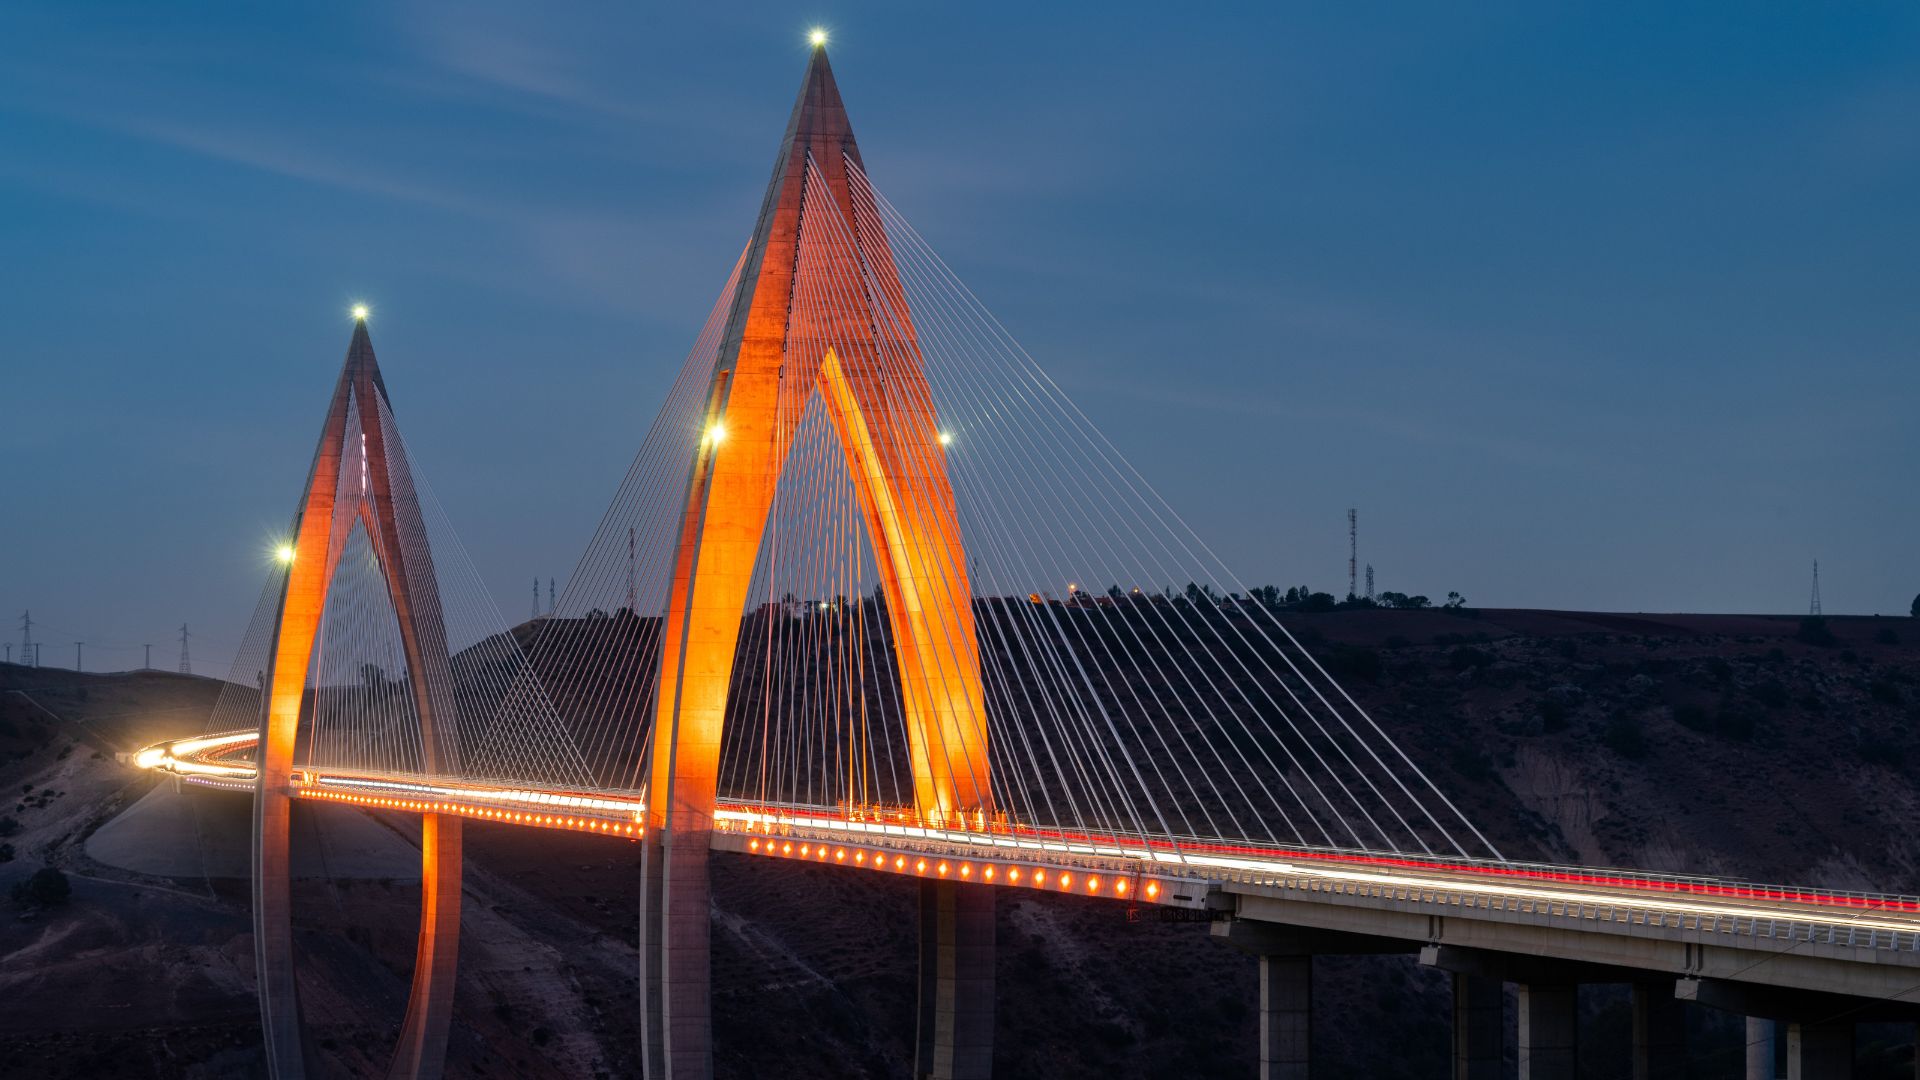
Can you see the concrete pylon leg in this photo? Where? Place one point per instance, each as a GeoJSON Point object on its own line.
{"type": "Point", "coordinates": [1659, 1033]}
{"type": "Point", "coordinates": [1549, 1022]}
{"type": "Point", "coordinates": [1479, 1027]}
{"type": "Point", "coordinates": [1760, 1058]}
{"type": "Point", "coordinates": [1820, 1051]}
{"type": "Point", "coordinates": [957, 953]}
{"type": "Point", "coordinates": [422, 1053]}
{"type": "Point", "coordinates": [280, 1025]}
{"type": "Point", "coordinates": [1286, 1017]}
{"type": "Point", "coordinates": [676, 932]}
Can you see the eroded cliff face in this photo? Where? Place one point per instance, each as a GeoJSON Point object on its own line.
{"type": "Point", "coordinates": [1729, 745]}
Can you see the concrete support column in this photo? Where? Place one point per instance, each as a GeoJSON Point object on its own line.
{"type": "Point", "coordinates": [676, 930]}
{"type": "Point", "coordinates": [1549, 1022]}
{"type": "Point", "coordinates": [1659, 1033]}
{"type": "Point", "coordinates": [1479, 1027]}
{"type": "Point", "coordinates": [1760, 1058]}
{"type": "Point", "coordinates": [422, 1053]}
{"type": "Point", "coordinates": [1820, 1051]}
{"type": "Point", "coordinates": [280, 1025]}
{"type": "Point", "coordinates": [954, 1040]}
{"type": "Point", "coordinates": [1286, 1017]}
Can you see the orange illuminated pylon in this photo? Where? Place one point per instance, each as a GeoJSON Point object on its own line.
{"type": "Point", "coordinates": [882, 411]}
{"type": "Point", "coordinates": [382, 500]}
{"type": "Point", "coordinates": [867, 369]}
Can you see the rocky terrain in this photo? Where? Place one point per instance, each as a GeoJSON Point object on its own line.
{"type": "Point", "coordinates": [1747, 746]}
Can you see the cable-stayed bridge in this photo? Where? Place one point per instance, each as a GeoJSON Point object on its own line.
{"type": "Point", "coordinates": [875, 594]}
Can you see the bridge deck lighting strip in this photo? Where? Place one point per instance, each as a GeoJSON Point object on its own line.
{"type": "Point", "coordinates": [1129, 884]}
{"type": "Point", "coordinates": [207, 760]}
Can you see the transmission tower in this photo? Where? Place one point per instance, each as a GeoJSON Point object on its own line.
{"type": "Point", "coordinates": [536, 599]}
{"type": "Point", "coordinates": [550, 596]}
{"type": "Point", "coordinates": [1813, 608]}
{"type": "Point", "coordinates": [27, 655]}
{"type": "Point", "coordinates": [1353, 553]}
{"type": "Point", "coordinates": [1369, 582]}
{"type": "Point", "coordinates": [186, 664]}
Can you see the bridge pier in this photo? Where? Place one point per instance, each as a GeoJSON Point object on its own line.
{"type": "Point", "coordinates": [1286, 957]}
{"type": "Point", "coordinates": [954, 1038]}
{"type": "Point", "coordinates": [422, 1053]}
{"type": "Point", "coordinates": [1820, 1050]}
{"type": "Point", "coordinates": [1659, 1033]}
{"type": "Point", "coordinates": [1548, 1030]}
{"type": "Point", "coordinates": [1286, 1017]}
{"type": "Point", "coordinates": [676, 934]}
{"type": "Point", "coordinates": [1479, 1027]}
{"type": "Point", "coordinates": [1760, 1056]}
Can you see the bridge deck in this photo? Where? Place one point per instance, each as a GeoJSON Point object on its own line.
{"type": "Point", "coordinates": [1621, 918]}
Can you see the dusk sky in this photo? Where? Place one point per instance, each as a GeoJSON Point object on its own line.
{"type": "Point", "coordinates": [1597, 307]}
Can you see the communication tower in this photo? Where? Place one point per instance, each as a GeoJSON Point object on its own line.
{"type": "Point", "coordinates": [1353, 553]}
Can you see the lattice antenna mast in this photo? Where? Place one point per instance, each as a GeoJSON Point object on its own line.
{"type": "Point", "coordinates": [186, 663]}
{"type": "Point", "coordinates": [1813, 607]}
{"type": "Point", "coordinates": [1369, 582]}
{"type": "Point", "coordinates": [550, 603]}
{"type": "Point", "coordinates": [536, 600]}
{"type": "Point", "coordinates": [26, 639]}
{"type": "Point", "coordinates": [1353, 553]}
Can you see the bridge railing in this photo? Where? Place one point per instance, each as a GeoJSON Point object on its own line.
{"type": "Point", "coordinates": [1845, 929]}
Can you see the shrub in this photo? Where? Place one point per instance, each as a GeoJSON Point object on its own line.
{"type": "Point", "coordinates": [9, 826]}
{"type": "Point", "coordinates": [1813, 631]}
{"type": "Point", "coordinates": [1354, 663]}
{"type": "Point", "coordinates": [1553, 715]}
{"type": "Point", "coordinates": [1466, 656]}
{"type": "Point", "coordinates": [46, 888]}
{"type": "Point", "coordinates": [1734, 722]}
{"type": "Point", "coordinates": [1884, 691]}
{"type": "Point", "coordinates": [1693, 717]}
{"type": "Point", "coordinates": [1625, 736]}
{"type": "Point", "coordinates": [1886, 636]}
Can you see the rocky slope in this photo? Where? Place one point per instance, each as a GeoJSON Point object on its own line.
{"type": "Point", "coordinates": [1738, 745]}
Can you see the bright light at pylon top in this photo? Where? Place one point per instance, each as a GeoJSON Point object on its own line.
{"type": "Point", "coordinates": [817, 37]}
{"type": "Point", "coordinates": [359, 313]}
{"type": "Point", "coordinates": [283, 553]}
{"type": "Point", "coordinates": [717, 434]}
{"type": "Point", "coordinates": [946, 438]}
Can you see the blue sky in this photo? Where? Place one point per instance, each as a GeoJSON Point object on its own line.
{"type": "Point", "coordinates": [1587, 306]}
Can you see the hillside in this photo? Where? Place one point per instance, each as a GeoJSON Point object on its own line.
{"type": "Point", "coordinates": [1738, 745]}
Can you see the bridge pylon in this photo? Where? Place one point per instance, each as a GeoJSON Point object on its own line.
{"type": "Point", "coordinates": [378, 496]}
{"type": "Point", "coordinates": [819, 309]}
